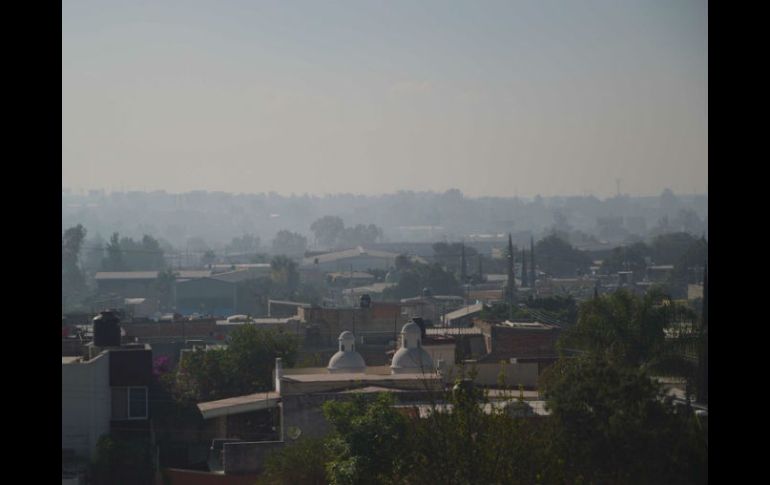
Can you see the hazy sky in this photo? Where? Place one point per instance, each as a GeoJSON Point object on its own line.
{"type": "Point", "coordinates": [491, 97]}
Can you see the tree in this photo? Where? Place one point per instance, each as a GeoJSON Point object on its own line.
{"type": "Point", "coordinates": [510, 285]}
{"type": "Point", "coordinates": [245, 366]}
{"type": "Point", "coordinates": [558, 258]}
{"type": "Point", "coordinates": [327, 230]}
{"type": "Point", "coordinates": [120, 461]}
{"type": "Point", "coordinates": [403, 262]}
{"type": "Point", "coordinates": [628, 258]}
{"type": "Point", "coordinates": [613, 425]}
{"type": "Point", "coordinates": [687, 266]}
{"type": "Point", "coordinates": [246, 244]}
{"type": "Point", "coordinates": [450, 255]}
{"type": "Point", "coordinates": [125, 254]}
{"type": "Point", "coordinates": [72, 278]}
{"type": "Point", "coordinates": [208, 258]}
{"type": "Point", "coordinates": [253, 352]}
{"type": "Point", "coordinates": [652, 332]}
{"type": "Point", "coordinates": [301, 462]}
{"type": "Point", "coordinates": [93, 254]}
{"type": "Point", "coordinates": [289, 243]}
{"type": "Point", "coordinates": [163, 288]}
{"type": "Point", "coordinates": [412, 281]}
{"type": "Point", "coordinates": [150, 255]}
{"type": "Point", "coordinates": [368, 442]}
{"type": "Point", "coordinates": [114, 259]}
{"type": "Point", "coordinates": [285, 276]}
{"type": "Point", "coordinates": [669, 248]}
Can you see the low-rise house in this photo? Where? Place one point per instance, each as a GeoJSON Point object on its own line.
{"type": "Point", "coordinates": [107, 390]}
{"type": "Point", "coordinates": [519, 342]}
{"type": "Point", "coordinates": [462, 317]}
{"type": "Point", "coordinates": [137, 284]}
{"type": "Point", "coordinates": [375, 324]}
{"type": "Point", "coordinates": [294, 406]}
{"type": "Point", "coordinates": [355, 259]}
{"type": "Point", "coordinates": [429, 307]}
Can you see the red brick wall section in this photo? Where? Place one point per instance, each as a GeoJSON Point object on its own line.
{"type": "Point", "coordinates": [386, 310]}
{"type": "Point", "coordinates": [524, 343]}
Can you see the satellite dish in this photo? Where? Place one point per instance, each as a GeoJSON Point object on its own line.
{"type": "Point", "coordinates": [293, 432]}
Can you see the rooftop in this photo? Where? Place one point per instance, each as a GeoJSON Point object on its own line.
{"type": "Point", "coordinates": [464, 312]}
{"type": "Point", "coordinates": [148, 275]}
{"type": "Point", "coordinates": [347, 253]}
{"type": "Point", "coordinates": [351, 275]}
{"type": "Point", "coordinates": [239, 404]}
{"type": "Point", "coordinates": [453, 331]}
{"type": "Point", "coordinates": [350, 377]}
{"type": "Point", "coordinates": [258, 321]}
{"type": "Point", "coordinates": [529, 325]}
{"type": "Point", "coordinates": [239, 275]}
{"type": "Point", "coordinates": [373, 288]}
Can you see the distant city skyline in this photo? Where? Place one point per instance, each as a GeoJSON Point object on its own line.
{"type": "Point", "coordinates": [125, 189]}
{"type": "Point", "coordinates": [499, 99]}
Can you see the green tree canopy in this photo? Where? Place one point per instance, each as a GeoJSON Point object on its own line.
{"type": "Point", "coordinates": [368, 444]}
{"type": "Point", "coordinates": [72, 278]}
{"type": "Point", "coordinates": [285, 277]}
{"type": "Point", "coordinates": [246, 244]}
{"type": "Point", "coordinates": [245, 366]}
{"type": "Point", "coordinates": [114, 259]}
{"type": "Point", "coordinates": [557, 257]}
{"type": "Point", "coordinates": [670, 247]}
{"type": "Point", "coordinates": [613, 425]}
{"type": "Point", "coordinates": [412, 281]}
{"type": "Point", "coordinates": [628, 258]}
{"type": "Point", "coordinates": [327, 230]}
{"type": "Point", "coordinates": [289, 243]}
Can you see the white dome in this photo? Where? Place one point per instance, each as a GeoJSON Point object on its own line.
{"type": "Point", "coordinates": [411, 328]}
{"type": "Point", "coordinates": [346, 362]}
{"type": "Point", "coordinates": [347, 359]}
{"type": "Point", "coordinates": [411, 357]}
{"type": "Point", "coordinates": [410, 361]}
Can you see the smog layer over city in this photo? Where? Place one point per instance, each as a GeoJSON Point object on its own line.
{"type": "Point", "coordinates": [385, 242]}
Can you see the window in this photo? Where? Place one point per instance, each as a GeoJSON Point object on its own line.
{"type": "Point", "coordinates": [129, 403]}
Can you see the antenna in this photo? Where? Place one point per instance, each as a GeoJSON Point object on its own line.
{"type": "Point", "coordinates": [617, 186]}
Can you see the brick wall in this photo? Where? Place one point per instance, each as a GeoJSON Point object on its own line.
{"type": "Point", "coordinates": [524, 343]}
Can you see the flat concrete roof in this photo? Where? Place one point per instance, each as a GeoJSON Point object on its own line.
{"type": "Point", "coordinates": [239, 404]}
{"type": "Point", "coordinates": [370, 389]}
{"type": "Point", "coordinates": [351, 377]}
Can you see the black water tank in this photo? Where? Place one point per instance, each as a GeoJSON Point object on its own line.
{"type": "Point", "coordinates": [107, 329]}
{"type": "Point", "coordinates": [366, 301]}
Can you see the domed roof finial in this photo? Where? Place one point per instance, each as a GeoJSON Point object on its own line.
{"type": "Point", "coordinates": [411, 357]}
{"type": "Point", "coordinates": [347, 360]}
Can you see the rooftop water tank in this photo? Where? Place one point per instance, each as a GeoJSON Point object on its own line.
{"type": "Point", "coordinates": [107, 329]}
